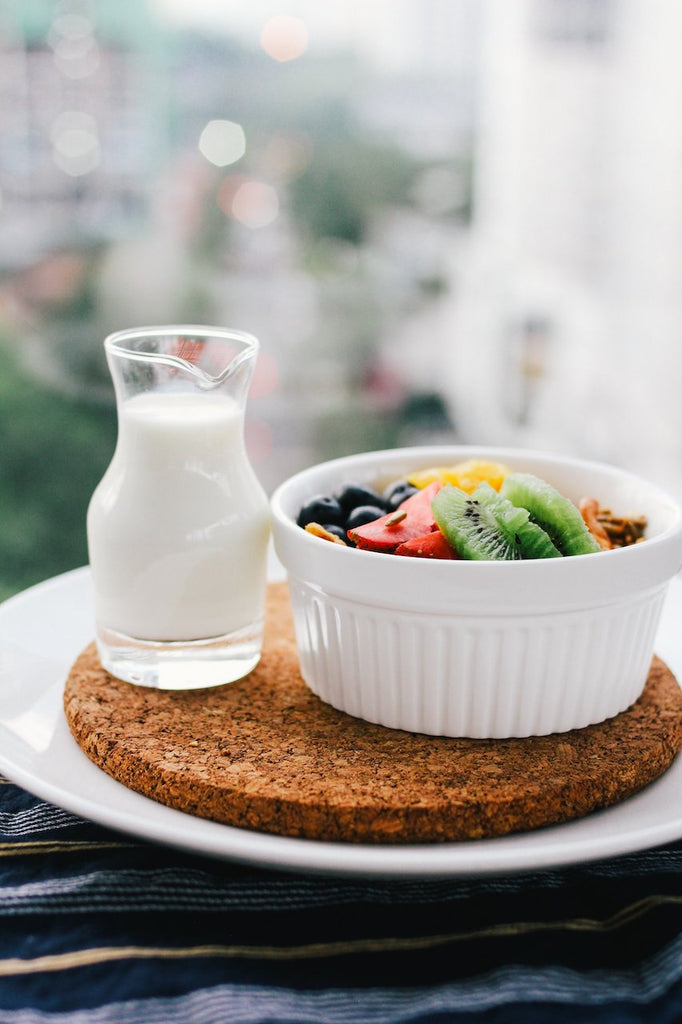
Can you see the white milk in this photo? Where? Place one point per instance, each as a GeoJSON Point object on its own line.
{"type": "Point", "coordinates": [178, 526]}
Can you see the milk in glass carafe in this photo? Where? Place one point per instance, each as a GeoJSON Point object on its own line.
{"type": "Point", "coordinates": [178, 526]}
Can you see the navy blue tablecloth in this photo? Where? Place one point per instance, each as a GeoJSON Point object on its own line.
{"type": "Point", "coordinates": [99, 927]}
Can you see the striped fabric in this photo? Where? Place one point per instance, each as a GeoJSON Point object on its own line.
{"type": "Point", "coordinates": [98, 927]}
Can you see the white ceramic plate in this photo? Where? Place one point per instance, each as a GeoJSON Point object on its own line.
{"type": "Point", "coordinates": [43, 629]}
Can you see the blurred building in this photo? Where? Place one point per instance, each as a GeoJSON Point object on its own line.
{"type": "Point", "coordinates": [425, 56]}
{"type": "Point", "coordinates": [567, 323]}
{"type": "Point", "coordinates": [83, 121]}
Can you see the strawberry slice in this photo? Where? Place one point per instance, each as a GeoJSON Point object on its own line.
{"type": "Point", "coordinates": [412, 519]}
{"type": "Point", "coordinates": [431, 545]}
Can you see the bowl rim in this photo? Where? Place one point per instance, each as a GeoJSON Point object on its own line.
{"type": "Point", "coordinates": [462, 452]}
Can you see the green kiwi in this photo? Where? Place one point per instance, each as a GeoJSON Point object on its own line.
{"type": "Point", "coordinates": [483, 527]}
{"type": "Point", "coordinates": [557, 516]}
{"type": "Point", "coordinates": [531, 539]}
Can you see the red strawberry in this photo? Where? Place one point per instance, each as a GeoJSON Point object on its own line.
{"type": "Point", "coordinates": [412, 519]}
{"type": "Point", "coordinates": [431, 545]}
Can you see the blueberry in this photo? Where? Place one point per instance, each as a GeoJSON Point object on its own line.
{"type": "Point", "coordinates": [353, 495]}
{"type": "Point", "coordinates": [364, 514]}
{"type": "Point", "coordinates": [321, 509]}
{"type": "Point", "coordinates": [395, 494]}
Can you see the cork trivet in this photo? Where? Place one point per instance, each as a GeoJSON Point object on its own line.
{"type": "Point", "coordinates": [264, 753]}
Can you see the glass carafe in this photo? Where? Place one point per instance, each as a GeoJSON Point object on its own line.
{"type": "Point", "coordinates": [178, 526]}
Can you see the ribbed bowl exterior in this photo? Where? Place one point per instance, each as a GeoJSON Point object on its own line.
{"type": "Point", "coordinates": [475, 676]}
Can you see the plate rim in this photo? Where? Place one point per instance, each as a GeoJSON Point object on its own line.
{"type": "Point", "coordinates": [551, 847]}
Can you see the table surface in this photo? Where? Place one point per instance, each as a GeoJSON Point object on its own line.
{"type": "Point", "coordinates": [99, 926]}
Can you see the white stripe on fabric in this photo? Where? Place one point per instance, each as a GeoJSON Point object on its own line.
{"type": "Point", "coordinates": [178, 888]}
{"type": "Point", "coordinates": [248, 1004]}
{"type": "Point", "coordinates": [40, 818]}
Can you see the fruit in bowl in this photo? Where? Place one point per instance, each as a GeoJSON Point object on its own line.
{"type": "Point", "coordinates": [462, 645]}
{"type": "Point", "coordinates": [528, 518]}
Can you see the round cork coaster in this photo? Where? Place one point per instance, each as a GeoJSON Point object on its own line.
{"type": "Point", "coordinates": [265, 753]}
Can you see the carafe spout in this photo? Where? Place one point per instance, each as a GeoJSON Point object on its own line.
{"type": "Point", "coordinates": [181, 358]}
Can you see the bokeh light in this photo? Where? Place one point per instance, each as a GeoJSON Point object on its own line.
{"type": "Point", "coordinates": [74, 46]}
{"type": "Point", "coordinates": [265, 377]}
{"type": "Point", "coordinates": [222, 142]}
{"type": "Point", "coordinates": [284, 37]}
{"type": "Point", "coordinates": [254, 204]}
{"type": "Point", "coordinates": [75, 142]}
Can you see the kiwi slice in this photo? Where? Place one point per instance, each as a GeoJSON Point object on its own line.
{"type": "Point", "coordinates": [532, 540]}
{"type": "Point", "coordinates": [557, 516]}
{"type": "Point", "coordinates": [484, 527]}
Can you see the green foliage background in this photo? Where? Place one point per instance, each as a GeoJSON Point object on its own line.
{"type": "Point", "coordinates": [54, 452]}
{"type": "Point", "coordinates": [55, 443]}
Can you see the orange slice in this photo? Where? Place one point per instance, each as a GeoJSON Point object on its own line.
{"type": "Point", "coordinates": [466, 475]}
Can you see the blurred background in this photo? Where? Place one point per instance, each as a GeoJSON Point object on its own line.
{"type": "Point", "coordinates": [446, 220]}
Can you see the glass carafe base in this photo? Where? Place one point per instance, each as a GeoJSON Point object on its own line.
{"type": "Point", "coordinates": [181, 665]}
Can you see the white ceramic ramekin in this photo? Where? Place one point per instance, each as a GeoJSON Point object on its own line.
{"type": "Point", "coordinates": [480, 649]}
